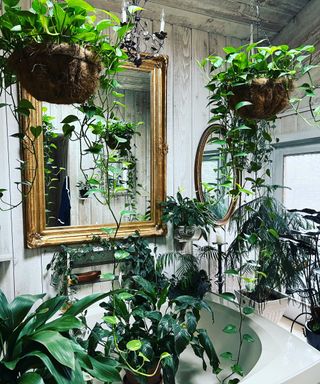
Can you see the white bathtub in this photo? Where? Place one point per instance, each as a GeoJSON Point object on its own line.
{"type": "Point", "coordinates": [276, 356]}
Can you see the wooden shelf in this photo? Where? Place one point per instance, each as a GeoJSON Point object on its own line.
{"type": "Point", "coordinates": [94, 282]}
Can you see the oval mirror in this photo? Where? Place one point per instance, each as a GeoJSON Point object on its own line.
{"type": "Point", "coordinates": [214, 175]}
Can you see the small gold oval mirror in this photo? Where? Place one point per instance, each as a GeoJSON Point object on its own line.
{"type": "Point", "coordinates": [214, 177]}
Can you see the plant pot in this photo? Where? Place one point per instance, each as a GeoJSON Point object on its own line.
{"type": "Point", "coordinates": [87, 277]}
{"type": "Point", "coordinates": [187, 233]}
{"type": "Point", "coordinates": [312, 337]}
{"type": "Point", "coordinates": [130, 378]}
{"type": "Point", "coordinates": [57, 73]}
{"type": "Point", "coordinates": [83, 193]}
{"type": "Point", "coordinates": [267, 96]}
{"type": "Point", "coordinates": [273, 309]}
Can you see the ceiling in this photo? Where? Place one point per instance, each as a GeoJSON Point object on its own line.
{"type": "Point", "coordinates": [226, 17]}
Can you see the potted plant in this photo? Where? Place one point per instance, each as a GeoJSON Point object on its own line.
{"type": "Point", "coordinates": [256, 81]}
{"type": "Point", "coordinates": [84, 188]}
{"type": "Point", "coordinates": [120, 134]}
{"type": "Point", "coordinates": [261, 251]}
{"type": "Point", "coordinates": [56, 50]}
{"type": "Point", "coordinates": [40, 347]}
{"type": "Point", "coordinates": [308, 287]}
{"type": "Point", "coordinates": [190, 218]}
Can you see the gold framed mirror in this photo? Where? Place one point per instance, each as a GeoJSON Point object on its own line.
{"type": "Point", "coordinates": [214, 177]}
{"type": "Point", "coordinates": [144, 92]}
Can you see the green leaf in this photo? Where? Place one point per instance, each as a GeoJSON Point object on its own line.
{"type": "Point", "coordinates": [237, 369]}
{"type": "Point", "coordinates": [230, 328]}
{"type": "Point", "coordinates": [80, 4]}
{"type": "Point", "coordinates": [206, 343]}
{"type": "Point", "coordinates": [31, 378]}
{"type": "Point", "coordinates": [58, 346]}
{"type": "Point", "coordinates": [134, 345]}
{"type": "Point", "coordinates": [191, 322]}
{"type": "Point", "coordinates": [63, 324]}
{"type": "Point", "coordinates": [82, 304]}
{"type": "Point", "coordinates": [125, 296]}
{"type": "Point", "coordinates": [70, 119]}
{"type": "Point", "coordinates": [113, 320]}
{"type": "Point", "coordinates": [242, 104]}
{"type": "Point", "coordinates": [228, 296]}
{"type": "Point", "coordinates": [226, 355]}
{"type": "Point", "coordinates": [121, 254]}
{"type": "Point", "coordinates": [133, 9]}
{"type": "Point", "coordinates": [273, 233]}
{"type": "Point", "coordinates": [36, 131]}
{"type": "Point", "coordinates": [11, 3]}
{"type": "Point", "coordinates": [248, 338]}
{"type": "Point", "coordinates": [21, 306]}
{"type": "Point", "coordinates": [248, 310]}
{"type": "Point", "coordinates": [108, 276]}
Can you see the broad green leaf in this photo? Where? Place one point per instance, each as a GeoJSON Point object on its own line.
{"type": "Point", "coordinates": [248, 310]}
{"type": "Point", "coordinates": [226, 355]}
{"type": "Point", "coordinates": [36, 131]}
{"type": "Point", "coordinates": [125, 296]}
{"type": "Point", "coordinates": [70, 119]}
{"type": "Point", "coordinates": [228, 296]}
{"type": "Point", "coordinates": [237, 369]}
{"type": "Point", "coordinates": [85, 302]}
{"type": "Point", "coordinates": [242, 104]}
{"type": "Point", "coordinates": [191, 322]}
{"type": "Point", "coordinates": [134, 345]}
{"type": "Point", "coordinates": [248, 338]}
{"type": "Point", "coordinates": [113, 320]}
{"type": "Point", "coordinates": [274, 233]}
{"type": "Point", "coordinates": [63, 324]}
{"type": "Point", "coordinates": [230, 328]}
{"type": "Point", "coordinates": [108, 276]}
{"type": "Point", "coordinates": [206, 343]}
{"type": "Point", "coordinates": [181, 338]}
{"type": "Point", "coordinates": [133, 9]}
{"type": "Point", "coordinates": [104, 370]}
{"type": "Point", "coordinates": [80, 4]}
{"type": "Point", "coordinates": [21, 306]}
{"type": "Point", "coordinates": [11, 3]}
{"type": "Point", "coordinates": [121, 254]}
{"type": "Point", "coordinates": [31, 378]}
{"type": "Point", "coordinates": [58, 346]}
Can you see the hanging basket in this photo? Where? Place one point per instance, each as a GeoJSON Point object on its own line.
{"type": "Point", "coordinates": [57, 73]}
{"type": "Point", "coordinates": [267, 96]}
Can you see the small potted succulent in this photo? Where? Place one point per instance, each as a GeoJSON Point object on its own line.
{"type": "Point", "coordinates": [190, 218]}
{"type": "Point", "coordinates": [255, 81]}
{"type": "Point", "coordinates": [56, 50]}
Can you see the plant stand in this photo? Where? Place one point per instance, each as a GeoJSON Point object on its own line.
{"type": "Point", "coordinates": [272, 309]}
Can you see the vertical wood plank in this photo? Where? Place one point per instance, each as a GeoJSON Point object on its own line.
{"type": "Point", "coordinates": [182, 109]}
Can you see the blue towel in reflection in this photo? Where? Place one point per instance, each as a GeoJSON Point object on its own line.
{"type": "Point", "coordinates": [65, 206]}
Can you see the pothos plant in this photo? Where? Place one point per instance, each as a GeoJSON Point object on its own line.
{"type": "Point", "coordinates": [245, 86]}
{"type": "Point", "coordinates": [71, 22]}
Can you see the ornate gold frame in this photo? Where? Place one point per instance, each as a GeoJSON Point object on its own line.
{"type": "Point", "coordinates": [38, 235]}
{"type": "Point", "coordinates": [198, 177]}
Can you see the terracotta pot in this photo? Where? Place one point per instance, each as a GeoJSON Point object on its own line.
{"type": "Point", "coordinates": [130, 378]}
{"type": "Point", "coordinates": [267, 96]}
{"type": "Point", "coordinates": [57, 73]}
{"type": "Point", "coordinates": [87, 277]}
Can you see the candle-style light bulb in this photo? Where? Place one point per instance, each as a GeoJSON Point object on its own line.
{"type": "Point", "coordinates": [124, 12]}
{"type": "Point", "coordinates": [162, 21]}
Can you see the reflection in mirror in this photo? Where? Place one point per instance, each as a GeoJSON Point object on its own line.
{"type": "Point", "coordinates": [79, 181]}
{"type": "Point", "coordinates": [101, 174]}
{"type": "Point", "coordinates": [214, 176]}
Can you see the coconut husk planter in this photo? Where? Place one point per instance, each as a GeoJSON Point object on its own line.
{"type": "Point", "coordinates": [57, 73]}
{"type": "Point", "coordinates": [267, 96]}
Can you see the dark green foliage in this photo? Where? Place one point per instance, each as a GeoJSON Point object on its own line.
{"type": "Point", "coordinates": [187, 212]}
{"type": "Point", "coordinates": [39, 347]}
{"type": "Point", "coordinates": [263, 229]}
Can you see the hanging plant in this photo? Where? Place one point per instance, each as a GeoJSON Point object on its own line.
{"type": "Point", "coordinates": [56, 50]}
{"type": "Point", "coordinates": [258, 81]}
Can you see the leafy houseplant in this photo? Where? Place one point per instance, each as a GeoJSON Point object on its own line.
{"type": "Point", "coordinates": [263, 226]}
{"type": "Point", "coordinates": [84, 188]}
{"type": "Point", "coordinates": [246, 76]}
{"type": "Point", "coordinates": [38, 347]}
{"type": "Point", "coordinates": [120, 134]}
{"type": "Point", "coordinates": [187, 215]}
{"type": "Point", "coordinates": [308, 287]}
{"type": "Point", "coordinates": [56, 50]}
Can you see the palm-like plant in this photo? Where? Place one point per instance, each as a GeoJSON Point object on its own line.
{"type": "Point", "coordinates": [263, 228]}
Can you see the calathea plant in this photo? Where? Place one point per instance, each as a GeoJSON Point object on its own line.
{"type": "Point", "coordinates": [38, 347]}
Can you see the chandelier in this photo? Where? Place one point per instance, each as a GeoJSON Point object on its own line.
{"type": "Point", "coordinates": [141, 44]}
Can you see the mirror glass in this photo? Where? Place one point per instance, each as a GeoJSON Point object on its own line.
{"type": "Point", "coordinates": [214, 176]}
{"type": "Point", "coordinates": [84, 186]}
{"type": "Point", "coordinates": [69, 199]}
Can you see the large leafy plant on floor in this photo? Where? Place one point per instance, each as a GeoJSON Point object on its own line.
{"type": "Point", "coordinates": [40, 347]}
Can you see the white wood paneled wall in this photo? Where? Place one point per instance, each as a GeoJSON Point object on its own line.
{"type": "Point", "coordinates": [187, 119]}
